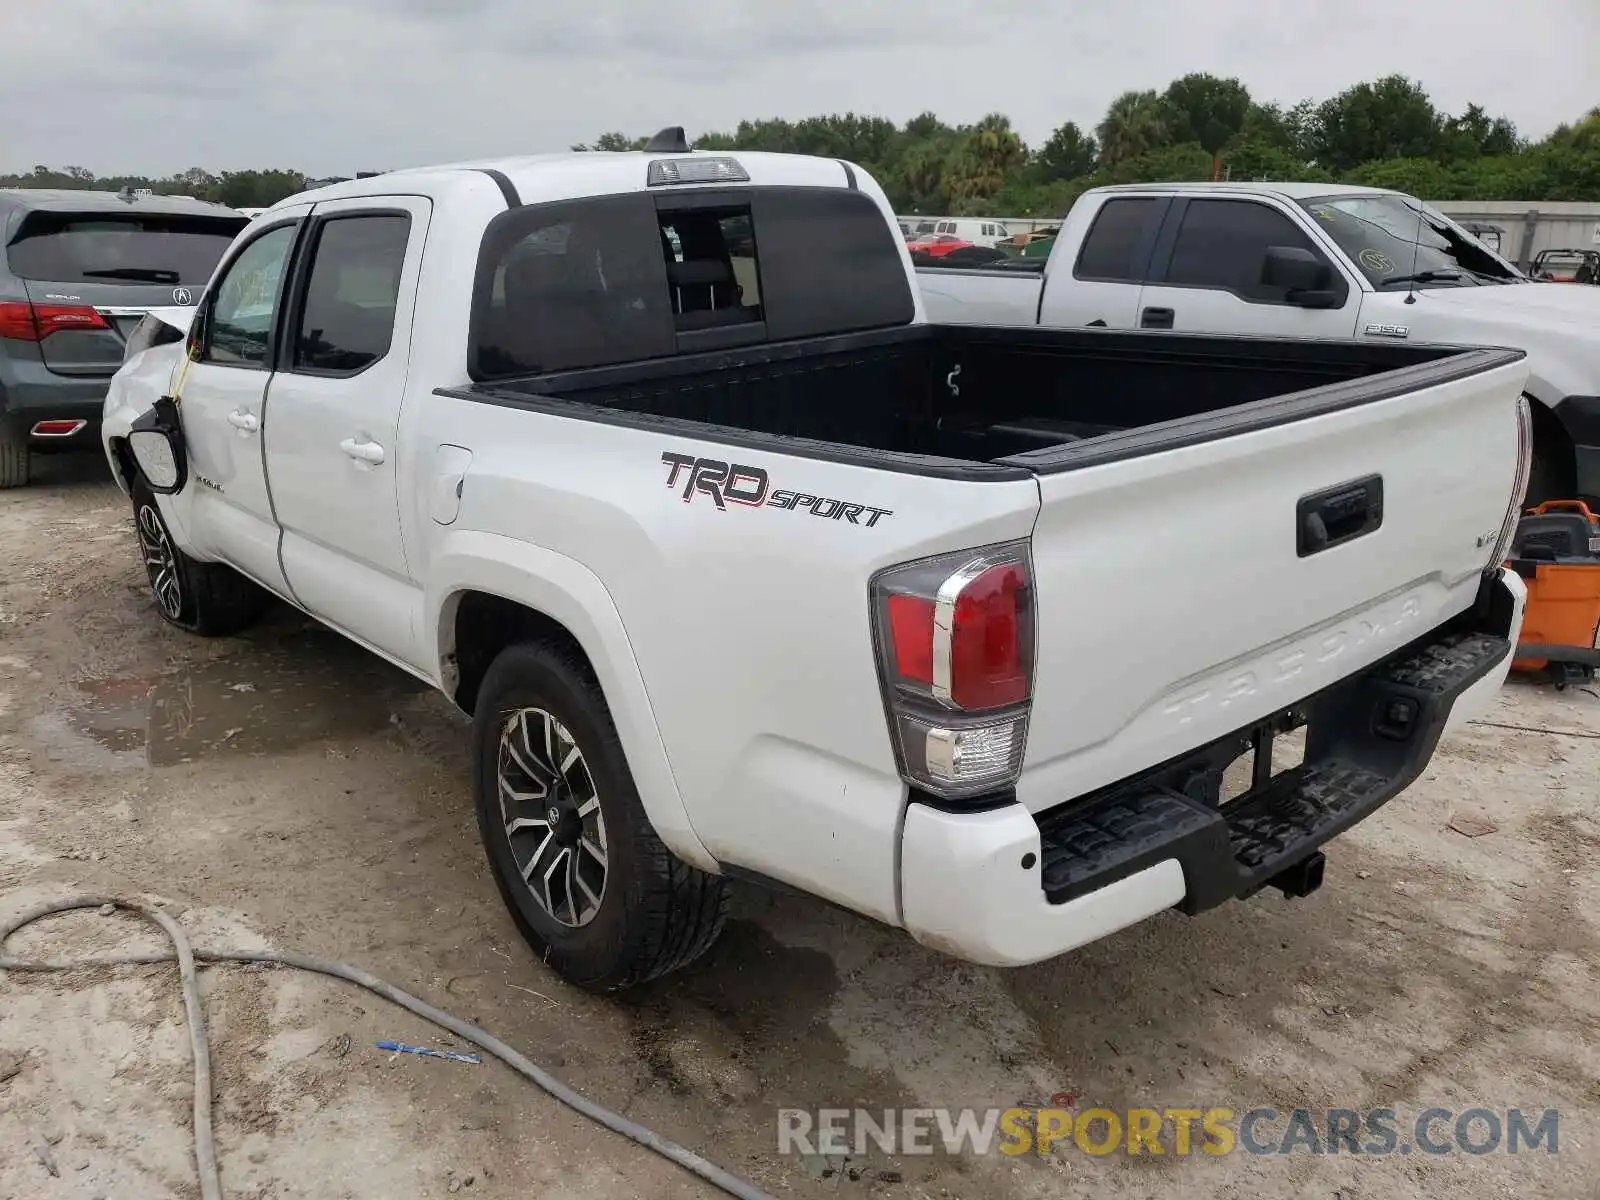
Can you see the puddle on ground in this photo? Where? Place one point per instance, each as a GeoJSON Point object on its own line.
{"type": "Point", "coordinates": [300, 688]}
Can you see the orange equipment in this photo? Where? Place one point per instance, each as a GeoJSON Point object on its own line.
{"type": "Point", "coordinates": [1557, 552]}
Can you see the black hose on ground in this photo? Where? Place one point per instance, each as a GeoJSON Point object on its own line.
{"type": "Point", "coordinates": [205, 1151]}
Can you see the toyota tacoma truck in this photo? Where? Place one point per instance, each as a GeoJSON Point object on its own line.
{"type": "Point", "coordinates": [652, 464]}
{"type": "Point", "coordinates": [1305, 260]}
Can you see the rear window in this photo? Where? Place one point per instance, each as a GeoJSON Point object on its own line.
{"type": "Point", "coordinates": [622, 278]}
{"type": "Point", "coordinates": [134, 248]}
{"type": "Point", "coordinates": [1120, 241]}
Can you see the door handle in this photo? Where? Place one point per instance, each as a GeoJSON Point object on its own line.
{"type": "Point", "coordinates": [242, 420]}
{"type": "Point", "coordinates": [362, 451]}
{"type": "Point", "coordinates": [1156, 318]}
{"type": "Point", "coordinates": [1340, 514]}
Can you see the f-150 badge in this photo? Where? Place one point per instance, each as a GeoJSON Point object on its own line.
{"type": "Point", "coordinates": [1388, 331]}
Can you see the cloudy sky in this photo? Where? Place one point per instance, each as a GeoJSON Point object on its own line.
{"type": "Point", "coordinates": [336, 86]}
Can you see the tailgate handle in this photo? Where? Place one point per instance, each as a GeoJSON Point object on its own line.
{"type": "Point", "coordinates": [1339, 514]}
{"type": "Point", "coordinates": [1157, 318]}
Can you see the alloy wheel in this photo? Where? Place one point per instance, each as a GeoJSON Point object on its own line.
{"type": "Point", "coordinates": [551, 810]}
{"type": "Point", "coordinates": [160, 563]}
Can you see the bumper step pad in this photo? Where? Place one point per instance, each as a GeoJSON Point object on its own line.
{"type": "Point", "coordinates": [1367, 739]}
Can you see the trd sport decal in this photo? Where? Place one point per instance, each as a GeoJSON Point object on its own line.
{"type": "Point", "coordinates": [748, 487]}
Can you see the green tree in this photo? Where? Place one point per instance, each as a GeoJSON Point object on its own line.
{"type": "Point", "coordinates": [1249, 158]}
{"type": "Point", "coordinates": [1207, 111]}
{"type": "Point", "coordinates": [986, 154]}
{"type": "Point", "coordinates": [1068, 154]}
{"type": "Point", "coordinates": [1390, 118]}
{"type": "Point", "coordinates": [1133, 125]}
{"type": "Point", "coordinates": [1475, 134]}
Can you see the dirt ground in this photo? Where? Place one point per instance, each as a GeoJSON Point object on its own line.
{"type": "Point", "coordinates": [285, 789]}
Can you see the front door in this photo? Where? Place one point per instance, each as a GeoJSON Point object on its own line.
{"type": "Point", "coordinates": [1207, 278]}
{"type": "Point", "coordinates": [332, 437]}
{"type": "Point", "coordinates": [222, 399]}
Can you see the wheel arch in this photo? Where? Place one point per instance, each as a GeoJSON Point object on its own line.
{"type": "Point", "coordinates": [1553, 448]}
{"type": "Point", "coordinates": [487, 592]}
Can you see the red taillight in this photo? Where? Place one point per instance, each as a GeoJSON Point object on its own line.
{"type": "Point", "coordinates": [987, 653]}
{"type": "Point", "coordinates": [35, 322]}
{"type": "Point", "coordinates": [911, 633]}
{"type": "Point", "coordinates": [16, 321]}
{"type": "Point", "coordinates": [956, 648]}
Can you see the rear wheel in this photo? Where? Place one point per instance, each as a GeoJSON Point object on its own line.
{"type": "Point", "coordinates": [587, 880]}
{"type": "Point", "coordinates": [210, 599]}
{"type": "Point", "coordinates": [13, 457]}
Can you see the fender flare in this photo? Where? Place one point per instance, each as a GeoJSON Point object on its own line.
{"type": "Point", "coordinates": [566, 591]}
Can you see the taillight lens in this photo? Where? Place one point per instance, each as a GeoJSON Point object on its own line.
{"type": "Point", "coordinates": [1519, 484]}
{"type": "Point", "coordinates": [16, 321]}
{"type": "Point", "coordinates": [35, 322]}
{"type": "Point", "coordinates": [956, 653]}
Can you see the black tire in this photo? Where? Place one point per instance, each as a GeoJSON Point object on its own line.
{"type": "Point", "coordinates": [14, 458]}
{"type": "Point", "coordinates": [1547, 480]}
{"type": "Point", "coordinates": [653, 913]}
{"type": "Point", "coordinates": [210, 599]}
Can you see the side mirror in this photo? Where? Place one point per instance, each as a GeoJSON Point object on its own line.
{"type": "Point", "coordinates": [156, 440]}
{"type": "Point", "coordinates": [1307, 281]}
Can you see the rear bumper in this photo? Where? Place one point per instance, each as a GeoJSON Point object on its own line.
{"type": "Point", "coordinates": [29, 394]}
{"type": "Point", "coordinates": [1007, 888]}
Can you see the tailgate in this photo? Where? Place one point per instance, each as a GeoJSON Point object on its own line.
{"type": "Point", "coordinates": [1185, 593]}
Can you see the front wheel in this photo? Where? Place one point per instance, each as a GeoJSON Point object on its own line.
{"type": "Point", "coordinates": [587, 880]}
{"type": "Point", "coordinates": [210, 599]}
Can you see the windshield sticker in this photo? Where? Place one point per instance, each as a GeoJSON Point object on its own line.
{"type": "Point", "coordinates": [749, 487]}
{"type": "Point", "coordinates": [1376, 261]}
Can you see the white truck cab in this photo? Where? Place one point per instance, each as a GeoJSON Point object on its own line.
{"type": "Point", "coordinates": [1306, 260]}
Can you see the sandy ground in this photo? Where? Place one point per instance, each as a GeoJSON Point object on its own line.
{"type": "Point", "coordinates": [286, 789]}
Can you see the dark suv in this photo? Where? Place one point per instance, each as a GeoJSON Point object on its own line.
{"type": "Point", "coordinates": [77, 272]}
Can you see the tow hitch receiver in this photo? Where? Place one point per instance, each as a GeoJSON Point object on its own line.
{"type": "Point", "coordinates": [1303, 878]}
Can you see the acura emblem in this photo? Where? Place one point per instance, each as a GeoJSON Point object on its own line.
{"type": "Point", "coordinates": [182, 296]}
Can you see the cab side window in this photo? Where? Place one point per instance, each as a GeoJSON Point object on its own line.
{"type": "Point", "coordinates": [1222, 245]}
{"type": "Point", "coordinates": [247, 298]}
{"type": "Point", "coordinates": [346, 322]}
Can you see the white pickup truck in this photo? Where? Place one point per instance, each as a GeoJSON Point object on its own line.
{"type": "Point", "coordinates": [651, 463]}
{"type": "Point", "coordinates": [1305, 260]}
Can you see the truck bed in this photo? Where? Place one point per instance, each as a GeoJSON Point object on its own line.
{"type": "Point", "coordinates": [979, 402]}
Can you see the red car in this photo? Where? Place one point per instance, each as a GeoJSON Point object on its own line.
{"type": "Point", "coordinates": [936, 245]}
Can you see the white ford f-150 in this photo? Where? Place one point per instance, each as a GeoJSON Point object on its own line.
{"type": "Point", "coordinates": [1304, 260]}
{"type": "Point", "coordinates": [651, 463]}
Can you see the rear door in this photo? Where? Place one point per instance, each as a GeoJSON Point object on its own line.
{"type": "Point", "coordinates": [1207, 269]}
{"type": "Point", "coordinates": [1180, 602]}
{"type": "Point", "coordinates": [332, 417]}
{"type": "Point", "coordinates": [1096, 272]}
{"type": "Point", "coordinates": [91, 275]}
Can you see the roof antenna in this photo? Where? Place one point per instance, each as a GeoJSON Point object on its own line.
{"type": "Point", "coordinates": [1416, 253]}
{"type": "Point", "coordinates": [670, 140]}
